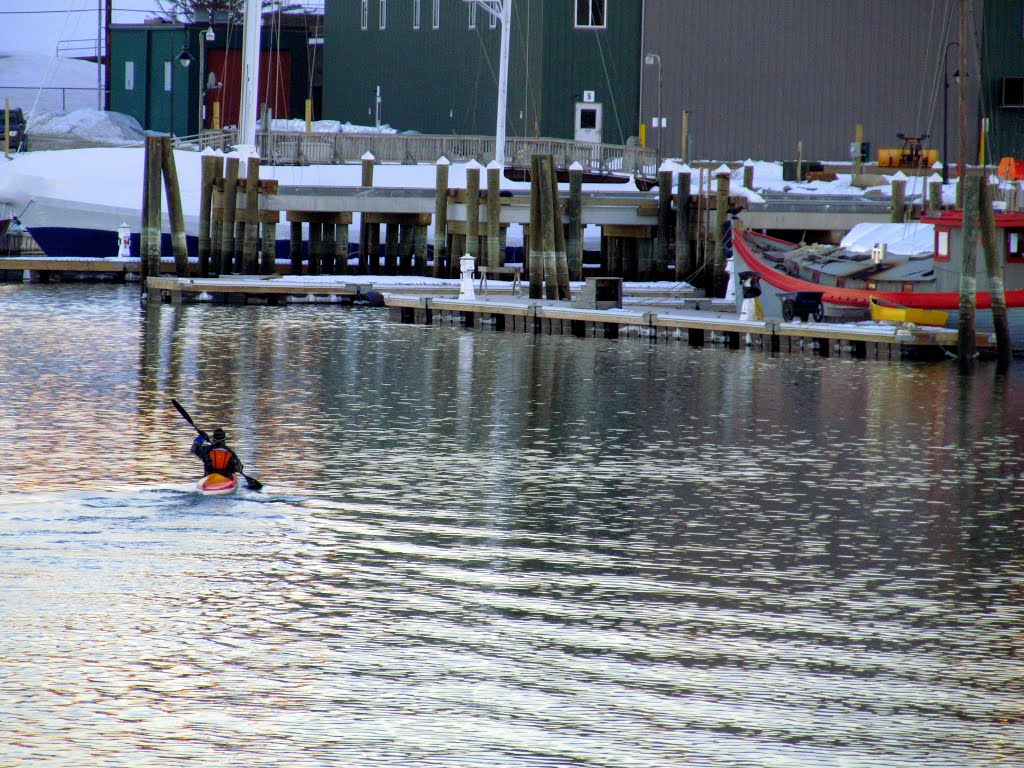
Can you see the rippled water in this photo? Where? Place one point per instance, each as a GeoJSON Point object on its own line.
{"type": "Point", "coordinates": [491, 549]}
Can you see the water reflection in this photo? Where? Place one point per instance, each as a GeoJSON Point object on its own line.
{"type": "Point", "coordinates": [496, 549]}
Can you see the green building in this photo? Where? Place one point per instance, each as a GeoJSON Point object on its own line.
{"type": "Point", "coordinates": [574, 67]}
{"type": "Point", "coordinates": [150, 82]}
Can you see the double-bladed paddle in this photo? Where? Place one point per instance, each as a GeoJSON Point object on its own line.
{"type": "Point", "coordinates": [250, 482]}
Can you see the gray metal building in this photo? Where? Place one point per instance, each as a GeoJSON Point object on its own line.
{"type": "Point", "coordinates": [756, 78]}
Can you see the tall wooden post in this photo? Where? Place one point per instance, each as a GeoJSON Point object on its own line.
{"type": "Point", "coordinates": [561, 272]}
{"type": "Point", "coordinates": [547, 226]}
{"type": "Point", "coordinates": [250, 250]}
{"type": "Point", "coordinates": [966, 344]}
{"type": "Point", "coordinates": [897, 208]}
{"type": "Point", "coordinates": [227, 241]}
{"type": "Point", "coordinates": [574, 227]}
{"type": "Point", "coordinates": [369, 234]}
{"type": "Point", "coordinates": [664, 225]}
{"type": "Point", "coordinates": [721, 216]}
{"type": "Point", "coordinates": [748, 175]}
{"type": "Point", "coordinates": [217, 202]}
{"type": "Point", "coordinates": [295, 245]}
{"type": "Point", "coordinates": [495, 258]}
{"type": "Point", "coordinates": [208, 173]}
{"type": "Point", "coordinates": [472, 212]}
{"type": "Point", "coordinates": [994, 267]}
{"type": "Point", "coordinates": [536, 258]}
{"type": "Point", "coordinates": [441, 217]}
{"type": "Point", "coordinates": [858, 140]}
{"type": "Point", "coordinates": [684, 265]}
{"type": "Point", "coordinates": [151, 204]}
{"type": "Point", "coordinates": [341, 247]}
{"type": "Point", "coordinates": [174, 213]}
{"type": "Point", "coordinates": [391, 249]}
{"type": "Point", "coordinates": [935, 193]}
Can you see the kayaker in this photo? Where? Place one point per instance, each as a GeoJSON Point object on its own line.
{"type": "Point", "coordinates": [217, 456]}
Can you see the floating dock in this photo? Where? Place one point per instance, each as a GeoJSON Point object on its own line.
{"type": "Point", "coordinates": [696, 322]}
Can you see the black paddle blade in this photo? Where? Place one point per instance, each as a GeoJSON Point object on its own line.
{"type": "Point", "coordinates": [251, 482]}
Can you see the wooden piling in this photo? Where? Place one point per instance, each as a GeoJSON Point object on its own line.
{"type": "Point", "coordinates": [994, 268]}
{"type": "Point", "coordinates": [369, 234]}
{"type": "Point", "coordinates": [208, 173]}
{"type": "Point", "coordinates": [472, 211]}
{"type": "Point", "coordinates": [217, 205]}
{"type": "Point", "coordinates": [227, 242]}
{"type": "Point", "coordinates": [558, 226]}
{"type": "Point", "coordinates": [547, 226]}
{"type": "Point", "coordinates": [174, 213]}
{"type": "Point", "coordinates": [151, 204]}
{"type": "Point", "coordinates": [935, 193]}
{"type": "Point", "coordinates": [295, 246]}
{"type": "Point", "coordinates": [316, 247]}
{"type": "Point", "coordinates": [495, 258]}
{"type": "Point", "coordinates": [664, 225]}
{"type": "Point", "coordinates": [748, 175]}
{"type": "Point", "coordinates": [441, 217]}
{"type": "Point", "coordinates": [574, 225]}
{"type": "Point", "coordinates": [341, 247]}
{"type": "Point", "coordinates": [391, 249]}
{"type": "Point", "coordinates": [268, 253]}
{"type": "Point", "coordinates": [966, 341]}
{"type": "Point", "coordinates": [536, 258]}
{"type": "Point", "coordinates": [897, 209]}
{"type": "Point", "coordinates": [683, 259]}
{"type": "Point", "coordinates": [721, 216]}
{"type": "Point", "coordinates": [250, 249]}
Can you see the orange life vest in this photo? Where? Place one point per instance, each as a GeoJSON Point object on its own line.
{"type": "Point", "coordinates": [219, 458]}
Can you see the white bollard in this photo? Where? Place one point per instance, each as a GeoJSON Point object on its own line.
{"type": "Point", "coordinates": [730, 287]}
{"type": "Point", "coordinates": [124, 241]}
{"type": "Point", "coordinates": [467, 266]}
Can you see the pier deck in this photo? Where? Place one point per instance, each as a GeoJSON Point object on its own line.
{"type": "Point", "coordinates": [502, 311]}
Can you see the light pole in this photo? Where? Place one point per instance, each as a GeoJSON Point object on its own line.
{"type": "Point", "coordinates": [945, 108]}
{"type": "Point", "coordinates": [649, 59]}
{"type": "Point", "coordinates": [184, 58]}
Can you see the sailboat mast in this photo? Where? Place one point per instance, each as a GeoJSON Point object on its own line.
{"type": "Point", "coordinates": [250, 72]}
{"type": "Point", "coordinates": [499, 134]}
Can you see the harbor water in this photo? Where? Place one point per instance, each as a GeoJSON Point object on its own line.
{"type": "Point", "coordinates": [494, 549]}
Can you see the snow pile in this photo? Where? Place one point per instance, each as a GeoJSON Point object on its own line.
{"type": "Point", "coordinates": [87, 125]}
{"type": "Point", "coordinates": [325, 126]}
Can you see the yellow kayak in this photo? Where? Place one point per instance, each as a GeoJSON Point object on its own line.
{"type": "Point", "coordinates": [215, 484]}
{"type": "Point", "coordinates": [887, 312]}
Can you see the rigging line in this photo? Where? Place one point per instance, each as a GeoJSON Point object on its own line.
{"type": "Point", "coordinates": [923, 93]}
{"type": "Point", "coordinates": [983, 101]}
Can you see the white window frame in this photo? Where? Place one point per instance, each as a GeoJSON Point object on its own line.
{"type": "Point", "coordinates": [493, 20]}
{"type": "Point", "coordinates": [588, 7]}
{"type": "Point", "coordinates": [416, 8]}
{"type": "Point", "coordinates": [383, 22]}
{"type": "Point", "coordinates": [472, 15]}
{"type": "Point", "coordinates": [436, 17]}
{"type": "Point", "coordinates": [364, 15]}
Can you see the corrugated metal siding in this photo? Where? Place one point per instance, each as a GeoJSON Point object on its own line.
{"type": "Point", "coordinates": [1004, 57]}
{"type": "Point", "coordinates": [758, 77]}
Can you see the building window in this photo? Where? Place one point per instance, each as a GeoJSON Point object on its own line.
{"type": "Point", "coordinates": [591, 13]}
{"type": "Point", "coordinates": [383, 14]}
{"type": "Point", "coordinates": [129, 75]}
{"type": "Point", "coordinates": [472, 15]}
{"type": "Point", "coordinates": [364, 15]}
{"type": "Point", "coordinates": [437, 14]}
{"type": "Point", "coordinates": [415, 14]}
{"type": "Point", "coordinates": [1015, 246]}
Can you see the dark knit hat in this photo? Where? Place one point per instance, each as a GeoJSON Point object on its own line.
{"type": "Point", "coordinates": [219, 436]}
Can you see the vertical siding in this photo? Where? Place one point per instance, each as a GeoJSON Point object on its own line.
{"type": "Point", "coordinates": [760, 76]}
{"type": "Point", "coordinates": [1004, 57]}
{"type": "Point", "coordinates": [445, 81]}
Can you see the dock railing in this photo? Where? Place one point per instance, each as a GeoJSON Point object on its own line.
{"type": "Point", "coordinates": [300, 148]}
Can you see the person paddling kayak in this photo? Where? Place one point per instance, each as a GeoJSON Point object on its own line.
{"type": "Point", "coordinates": [217, 457]}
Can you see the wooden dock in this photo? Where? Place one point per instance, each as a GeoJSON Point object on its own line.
{"type": "Point", "coordinates": [503, 311]}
